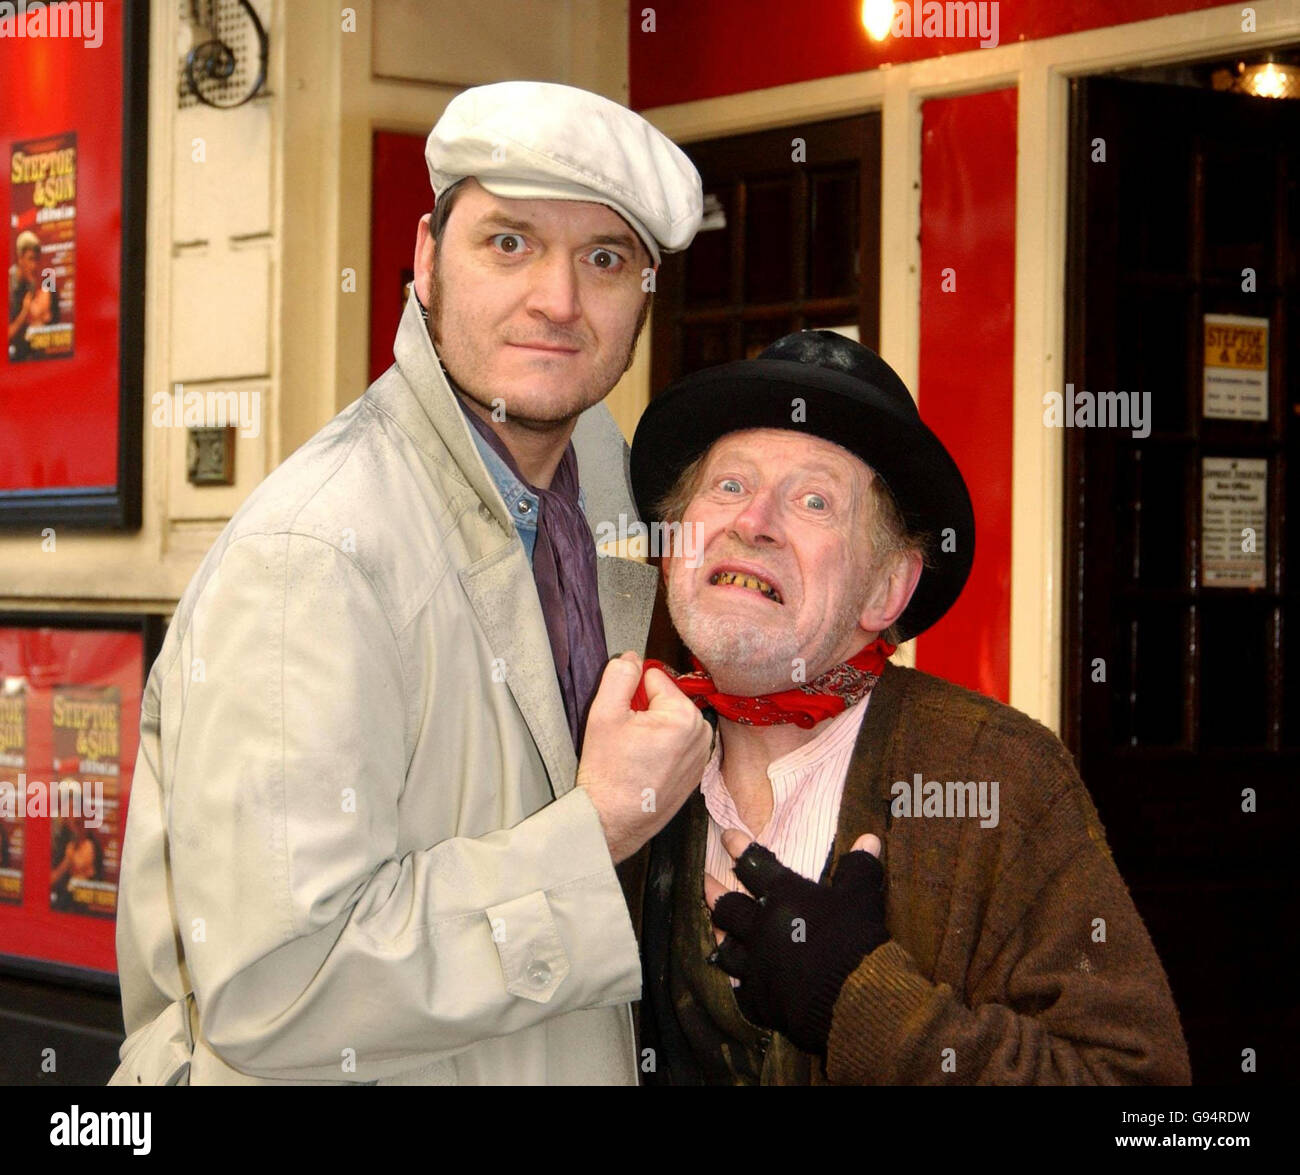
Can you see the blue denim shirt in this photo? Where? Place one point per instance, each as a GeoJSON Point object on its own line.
{"type": "Point", "coordinates": [519, 500]}
{"type": "Point", "coordinates": [521, 504]}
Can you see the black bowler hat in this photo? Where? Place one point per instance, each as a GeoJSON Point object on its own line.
{"type": "Point", "coordinates": [852, 398]}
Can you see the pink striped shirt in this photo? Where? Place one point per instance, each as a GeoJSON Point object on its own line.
{"type": "Point", "coordinates": [807, 785]}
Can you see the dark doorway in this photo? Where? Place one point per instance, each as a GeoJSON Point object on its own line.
{"type": "Point", "coordinates": [1182, 696]}
{"type": "Point", "coordinates": [791, 241]}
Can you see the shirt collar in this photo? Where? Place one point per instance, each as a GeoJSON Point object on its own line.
{"type": "Point", "coordinates": [788, 774]}
{"type": "Point", "coordinates": [519, 499]}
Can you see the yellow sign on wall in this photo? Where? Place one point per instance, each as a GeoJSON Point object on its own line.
{"type": "Point", "coordinates": [1236, 367]}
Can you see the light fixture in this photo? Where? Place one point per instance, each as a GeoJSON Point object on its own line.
{"type": "Point", "coordinates": [877, 18]}
{"type": "Point", "coordinates": [1269, 78]}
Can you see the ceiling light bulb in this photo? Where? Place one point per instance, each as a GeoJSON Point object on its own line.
{"type": "Point", "coordinates": [1268, 82]}
{"type": "Point", "coordinates": [877, 18]}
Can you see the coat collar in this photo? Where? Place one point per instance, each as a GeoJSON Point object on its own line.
{"type": "Point", "coordinates": [864, 804]}
{"type": "Point", "coordinates": [499, 584]}
{"type": "Point", "coordinates": [421, 369]}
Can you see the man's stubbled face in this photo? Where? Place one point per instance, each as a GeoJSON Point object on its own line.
{"type": "Point", "coordinates": [536, 303]}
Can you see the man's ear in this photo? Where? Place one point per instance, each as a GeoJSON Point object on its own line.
{"type": "Point", "coordinates": [893, 592]}
{"type": "Point", "coordinates": [423, 265]}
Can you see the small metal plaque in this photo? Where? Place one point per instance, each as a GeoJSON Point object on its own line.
{"type": "Point", "coordinates": [210, 456]}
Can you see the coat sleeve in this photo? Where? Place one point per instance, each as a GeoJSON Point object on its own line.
{"type": "Point", "coordinates": [156, 998]}
{"type": "Point", "coordinates": [1058, 1005]}
{"type": "Point", "coordinates": [316, 948]}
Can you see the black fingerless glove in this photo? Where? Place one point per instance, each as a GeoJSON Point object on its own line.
{"type": "Point", "coordinates": [793, 949]}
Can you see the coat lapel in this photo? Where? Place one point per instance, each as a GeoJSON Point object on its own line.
{"type": "Point", "coordinates": [435, 405]}
{"type": "Point", "coordinates": [627, 588]}
{"type": "Point", "coordinates": [627, 599]}
{"type": "Point", "coordinates": [864, 804]}
{"type": "Point", "coordinates": [503, 594]}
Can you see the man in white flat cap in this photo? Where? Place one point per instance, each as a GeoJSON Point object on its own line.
{"type": "Point", "coordinates": [386, 766]}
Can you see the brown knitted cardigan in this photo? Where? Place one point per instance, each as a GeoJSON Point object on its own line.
{"type": "Point", "coordinates": [1016, 954]}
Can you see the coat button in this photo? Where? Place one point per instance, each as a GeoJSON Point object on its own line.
{"type": "Point", "coordinates": [539, 973]}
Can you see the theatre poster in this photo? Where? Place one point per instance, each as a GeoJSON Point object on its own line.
{"type": "Point", "coordinates": [70, 692]}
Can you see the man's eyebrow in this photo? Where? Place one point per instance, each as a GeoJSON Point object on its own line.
{"type": "Point", "coordinates": [503, 220]}
{"type": "Point", "coordinates": [625, 240]}
{"type": "Point", "coordinates": [843, 476]}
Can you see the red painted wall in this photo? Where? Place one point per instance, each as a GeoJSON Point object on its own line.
{"type": "Point", "coordinates": [400, 196]}
{"type": "Point", "coordinates": [968, 226]}
{"type": "Point", "coordinates": [58, 417]}
{"type": "Point", "coordinates": [706, 49]}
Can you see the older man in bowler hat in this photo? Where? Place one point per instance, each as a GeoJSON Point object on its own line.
{"type": "Point", "coordinates": [884, 878]}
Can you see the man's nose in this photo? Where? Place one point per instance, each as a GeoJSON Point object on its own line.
{"type": "Point", "coordinates": [554, 289]}
{"type": "Point", "coordinates": [759, 522]}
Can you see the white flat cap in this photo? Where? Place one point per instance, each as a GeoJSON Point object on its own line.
{"type": "Point", "coordinates": [541, 141]}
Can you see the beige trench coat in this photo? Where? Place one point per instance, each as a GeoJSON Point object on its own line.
{"type": "Point", "coordinates": [354, 848]}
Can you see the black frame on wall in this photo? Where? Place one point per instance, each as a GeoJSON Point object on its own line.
{"type": "Point", "coordinates": [116, 507]}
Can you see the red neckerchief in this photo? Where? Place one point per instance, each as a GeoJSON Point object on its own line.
{"type": "Point", "coordinates": [806, 705]}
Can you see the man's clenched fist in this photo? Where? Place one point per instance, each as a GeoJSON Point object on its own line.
{"type": "Point", "coordinates": [638, 767]}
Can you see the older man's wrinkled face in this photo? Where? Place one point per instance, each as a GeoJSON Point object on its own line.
{"type": "Point", "coordinates": [781, 524]}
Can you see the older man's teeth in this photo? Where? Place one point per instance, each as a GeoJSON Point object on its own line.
{"type": "Point", "coordinates": [740, 579]}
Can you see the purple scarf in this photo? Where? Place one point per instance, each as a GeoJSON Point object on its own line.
{"type": "Point", "coordinates": [564, 568]}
